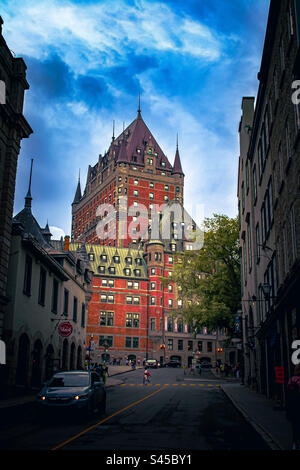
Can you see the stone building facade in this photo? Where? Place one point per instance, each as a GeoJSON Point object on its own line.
{"type": "Point", "coordinates": [13, 128]}
{"type": "Point", "coordinates": [269, 177]}
{"type": "Point", "coordinates": [46, 315]}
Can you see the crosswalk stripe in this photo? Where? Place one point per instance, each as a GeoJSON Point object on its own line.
{"type": "Point", "coordinates": [167, 385]}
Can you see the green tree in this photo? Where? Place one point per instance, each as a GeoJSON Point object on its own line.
{"type": "Point", "coordinates": [209, 278]}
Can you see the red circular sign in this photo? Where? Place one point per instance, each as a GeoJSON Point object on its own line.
{"type": "Point", "coordinates": [65, 328]}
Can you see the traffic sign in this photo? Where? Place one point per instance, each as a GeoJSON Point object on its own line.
{"type": "Point", "coordinates": [65, 329]}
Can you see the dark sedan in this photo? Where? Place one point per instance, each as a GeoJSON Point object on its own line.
{"type": "Point", "coordinates": [172, 364]}
{"type": "Point", "coordinates": [81, 391]}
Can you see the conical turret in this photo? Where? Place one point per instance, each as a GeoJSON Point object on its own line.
{"type": "Point", "coordinates": [177, 169]}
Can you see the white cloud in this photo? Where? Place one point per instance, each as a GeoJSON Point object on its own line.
{"type": "Point", "coordinates": [87, 35]}
{"type": "Point", "coordinates": [57, 233]}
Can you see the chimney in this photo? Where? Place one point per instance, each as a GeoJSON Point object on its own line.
{"type": "Point", "coordinates": [67, 243]}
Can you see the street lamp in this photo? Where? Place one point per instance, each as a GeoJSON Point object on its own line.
{"type": "Point", "coordinates": [90, 347]}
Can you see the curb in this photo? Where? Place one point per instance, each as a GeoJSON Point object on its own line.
{"type": "Point", "coordinates": [265, 435]}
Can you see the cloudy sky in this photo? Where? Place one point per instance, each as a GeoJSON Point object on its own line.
{"type": "Point", "coordinates": [87, 61]}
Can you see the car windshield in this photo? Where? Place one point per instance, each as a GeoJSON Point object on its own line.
{"type": "Point", "coordinates": [69, 380]}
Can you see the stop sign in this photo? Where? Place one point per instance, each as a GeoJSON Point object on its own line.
{"type": "Point", "coordinates": [65, 329]}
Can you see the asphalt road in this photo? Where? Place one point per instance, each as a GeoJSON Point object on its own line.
{"type": "Point", "coordinates": [175, 412]}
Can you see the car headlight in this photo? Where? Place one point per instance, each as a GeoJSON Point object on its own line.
{"type": "Point", "coordinates": [42, 397]}
{"type": "Point", "coordinates": [79, 397]}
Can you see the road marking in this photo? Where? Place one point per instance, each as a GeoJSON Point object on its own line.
{"type": "Point", "coordinates": [175, 385]}
{"type": "Point", "coordinates": [192, 385]}
{"type": "Point", "coordinates": [183, 385]}
{"type": "Point", "coordinates": [59, 446]}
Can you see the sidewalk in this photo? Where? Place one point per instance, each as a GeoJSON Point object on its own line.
{"type": "Point", "coordinates": [260, 412]}
{"type": "Point", "coordinates": [30, 395]}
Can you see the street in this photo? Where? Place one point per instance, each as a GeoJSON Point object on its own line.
{"type": "Point", "coordinates": [174, 412]}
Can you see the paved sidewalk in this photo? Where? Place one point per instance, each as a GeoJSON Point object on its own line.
{"type": "Point", "coordinates": [260, 412]}
{"type": "Point", "coordinates": [30, 396]}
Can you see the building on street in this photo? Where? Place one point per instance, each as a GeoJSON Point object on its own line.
{"type": "Point", "coordinates": [13, 128]}
{"type": "Point", "coordinates": [269, 207]}
{"type": "Point", "coordinates": [45, 316]}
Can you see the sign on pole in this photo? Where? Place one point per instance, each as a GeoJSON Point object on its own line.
{"type": "Point", "coordinates": [65, 329]}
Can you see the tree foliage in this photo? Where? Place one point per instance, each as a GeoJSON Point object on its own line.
{"type": "Point", "coordinates": [210, 278]}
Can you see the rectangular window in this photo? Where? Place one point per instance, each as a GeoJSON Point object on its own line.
{"type": "Point", "coordinates": [280, 163]}
{"type": "Point", "coordinates": [281, 52]}
{"type": "Point", "coordinates": [152, 300]}
{"type": "Point", "coordinates": [180, 325]}
{"type": "Point", "coordinates": [27, 275]}
{"type": "Point", "coordinates": [249, 246]}
{"type": "Point", "coordinates": [200, 346]}
{"type": "Point", "coordinates": [42, 287]}
{"type": "Point", "coordinates": [170, 324]}
{"type": "Point", "coordinates": [254, 181]}
{"type": "Point", "coordinates": [190, 345]}
{"type": "Point", "coordinates": [106, 341]}
{"type": "Point", "coordinates": [135, 342]}
{"type": "Point", "coordinates": [285, 249]}
{"type": "Point", "coordinates": [245, 262]}
{"type": "Point", "coordinates": [209, 346]}
{"type": "Point", "coordinates": [75, 306]}
{"type": "Point", "coordinates": [180, 345]}
{"type": "Point", "coordinates": [243, 197]}
{"type": "Point", "coordinates": [152, 324]}
{"type": "Point", "coordinates": [127, 342]}
{"type": "Point", "coordinates": [257, 243]}
{"type": "Point", "coordinates": [288, 141]}
{"type": "Point", "coordinates": [83, 316]}
{"type": "Point", "coordinates": [66, 301]}
{"type": "Point", "coordinates": [170, 344]}
{"type": "Point", "coordinates": [153, 286]}
{"type": "Point", "coordinates": [293, 232]}
{"type": "Point", "coordinates": [54, 302]}
{"type": "Point", "coordinates": [170, 303]}
{"type": "Point", "coordinates": [106, 318]}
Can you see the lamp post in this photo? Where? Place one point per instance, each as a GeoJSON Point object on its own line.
{"type": "Point", "coordinates": [90, 347]}
{"type": "Point", "coordinates": [105, 346]}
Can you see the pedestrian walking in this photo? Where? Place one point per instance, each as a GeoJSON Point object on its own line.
{"type": "Point", "coordinates": [199, 368]}
{"type": "Point", "coordinates": [222, 368]}
{"type": "Point", "coordinates": [184, 369]}
{"type": "Point", "coordinates": [147, 375]}
{"type": "Point", "coordinates": [293, 406]}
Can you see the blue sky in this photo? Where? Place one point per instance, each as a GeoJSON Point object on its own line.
{"type": "Point", "coordinates": [87, 60]}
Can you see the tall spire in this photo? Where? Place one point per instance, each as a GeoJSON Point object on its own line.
{"type": "Point", "coordinates": [113, 136]}
{"type": "Point", "coordinates": [139, 116]}
{"type": "Point", "coordinates": [78, 191]}
{"type": "Point", "coordinates": [177, 170]}
{"type": "Point", "coordinates": [28, 197]}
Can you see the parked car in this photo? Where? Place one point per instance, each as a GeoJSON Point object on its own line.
{"type": "Point", "coordinates": [172, 364]}
{"type": "Point", "coordinates": [151, 363]}
{"type": "Point", "coordinates": [80, 391]}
